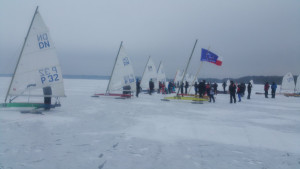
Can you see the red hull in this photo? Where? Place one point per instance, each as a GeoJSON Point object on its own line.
{"type": "Point", "coordinates": [113, 94]}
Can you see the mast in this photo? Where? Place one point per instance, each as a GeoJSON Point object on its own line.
{"type": "Point", "coordinates": [187, 66]}
{"type": "Point", "coordinates": [159, 67]}
{"type": "Point", "coordinates": [158, 78]}
{"type": "Point", "coordinates": [12, 79]}
{"type": "Point", "coordinates": [114, 67]}
{"type": "Point", "coordinates": [145, 69]}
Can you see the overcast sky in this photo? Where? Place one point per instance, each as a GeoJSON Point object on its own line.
{"type": "Point", "coordinates": [254, 37]}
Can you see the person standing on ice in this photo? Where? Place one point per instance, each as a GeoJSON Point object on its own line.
{"type": "Point", "coordinates": [243, 89]}
{"type": "Point", "coordinates": [211, 94]}
{"type": "Point", "coordinates": [215, 85]}
{"type": "Point", "coordinates": [170, 87]}
{"type": "Point", "coordinates": [151, 87]}
{"type": "Point", "coordinates": [196, 88]}
{"type": "Point", "coordinates": [249, 88]}
{"type": "Point", "coordinates": [186, 86]}
{"type": "Point", "coordinates": [240, 92]}
{"type": "Point", "coordinates": [224, 86]}
{"type": "Point", "coordinates": [181, 87]}
{"type": "Point", "coordinates": [207, 88]}
{"type": "Point", "coordinates": [266, 88]}
{"type": "Point", "coordinates": [138, 87]}
{"type": "Point", "coordinates": [273, 89]}
{"type": "Point", "coordinates": [232, 91]}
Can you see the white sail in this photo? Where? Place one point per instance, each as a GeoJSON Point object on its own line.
{"type": "Point", "coordinates": [179, 76]}
{"type": "Point", "coordinates": [227, 84]}
{"type": "Point", "coordinates": [161, 76]}
{"type": "Point", "coordinates": [149, 73]}
{"type": "Point", "coordinates": [288, 84]}
{"type": "Point", "coordinates": [251, 81]}
{"type": "Point", "coordinates": [122, 74]}
{"type": "Point", "coordinates": [38, 65]}
{"type": "Point", "coordinates": [189, 78]}
{"type": "Point", "coordinates": [297, 88]}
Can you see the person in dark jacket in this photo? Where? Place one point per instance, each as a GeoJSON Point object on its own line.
{"type": "Point", "coordinates": [159, 87]}
{"type": "Point", "coordinates": [201, 88]}
{"type": "Point", "coordinates": [215, 85]}
{"type": "Point", "coordinates": [249, 88]}
{"type": "Point", "coordinates": [224, 86]}
{"type": "Point", "coordinates": [232, 91]}
{"type": "Point", "coordinates": [243, 89]}
{"type": "Point", "coordinates": [181, 87]}
{"type": "Point", "coordinates": [138, 87]}
{"type": "Point", "coordinates": [240, 92]}
{"type": "Point", "coordinates": [186, 86]}
{"type": "Point", "coordinates": [170, 87]}
{"type": "Point", "coordinates": [273, 88]}
{"type": "Point", "coordinates": [266, 88]}
{"type": "Point", "coordinates": [196, 88]}
{"type": "Point", "coordinates": [151, 87]}
{"type": "Point", "coordinates": [207, 88]}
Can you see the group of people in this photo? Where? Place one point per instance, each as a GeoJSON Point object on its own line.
{"type": "Point", "coordinates": [273, 89]}
{"type": "Point", "coordinates": [162, 88]}
{"type": "Point", "coordinates": [209, 89]}
{"type": "Point", "coordinates": [239, 90]}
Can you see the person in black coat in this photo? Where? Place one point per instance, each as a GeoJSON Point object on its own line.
{"type": "Point", "coordinates": [186, 86]}
{"type": "Point", "coordinates": [232, 91]}
{"type": "Point", "coordinates": [151, 87]}
{"type": "Point", "coordinates": [201, 88]}
{"type": "Point", "coordinates": [249, 88]}
{"type": "Point", "coordinates": [224, 86]}
{"type": "Point", "coordinates": [196, 88]}
{"type": "Point", "coordinates": [243, 89]}
{"type": "Point", "coordinates": [138, 87]}
{"type": "Point", "coordinates": [215, 85]}
{"type": "Point", "coordinates": [181, 87]}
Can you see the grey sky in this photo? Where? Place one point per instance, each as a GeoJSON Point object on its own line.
{"type": "Point", "coordinates": [254, 37]}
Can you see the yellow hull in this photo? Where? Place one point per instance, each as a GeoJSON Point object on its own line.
{"type": "Point", "coordinates": [186, 98]}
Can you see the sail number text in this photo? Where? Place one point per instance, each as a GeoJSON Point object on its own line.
{"type": "Point", "coordinates": [43, 40]}
{"type": "Point", "coordinates": [129, 79]}
{"type": "Point", "coordinates": [48, 75]}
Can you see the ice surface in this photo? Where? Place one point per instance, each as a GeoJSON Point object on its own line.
{"type": "Point", "coordinates": [147, 133]}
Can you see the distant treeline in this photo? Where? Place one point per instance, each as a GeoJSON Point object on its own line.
{"type": "Point", "coordinates": [245, 79]}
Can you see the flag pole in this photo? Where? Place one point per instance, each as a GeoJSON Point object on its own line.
{"type": "Point", "coordinates": [201, 65]}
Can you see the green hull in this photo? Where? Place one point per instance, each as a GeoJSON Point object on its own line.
{"type": "Point", "coordinates": [186, 98]}
{"type": "Point", "coordinates": [33, 105]}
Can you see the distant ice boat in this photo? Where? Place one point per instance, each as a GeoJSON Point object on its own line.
{"type": "Point", "coordinates": [288, 84]}
{"type": "Point", "coordinates": [37, 72]}
{"type": "Point", "coordinates": [122, 79]}
{"type": "Point", "coordinates": [297, 88]}
{"type": "Point", "coordinates": [150, 73]}
{"type": "Point", "coordinates": [161, 76]}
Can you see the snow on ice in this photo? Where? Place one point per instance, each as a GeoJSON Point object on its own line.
{"type": "Point", "coordinates": [147, 133]}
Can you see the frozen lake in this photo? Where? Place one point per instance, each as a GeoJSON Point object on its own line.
{"type": "Point", "coordinates": [147, 133]}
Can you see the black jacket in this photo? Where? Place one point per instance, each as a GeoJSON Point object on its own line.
{"type": "Point", "coordinates": [232, 88]}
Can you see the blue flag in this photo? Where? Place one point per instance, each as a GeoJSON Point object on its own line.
{"type": "Point", "coordinates": [210, 57]}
